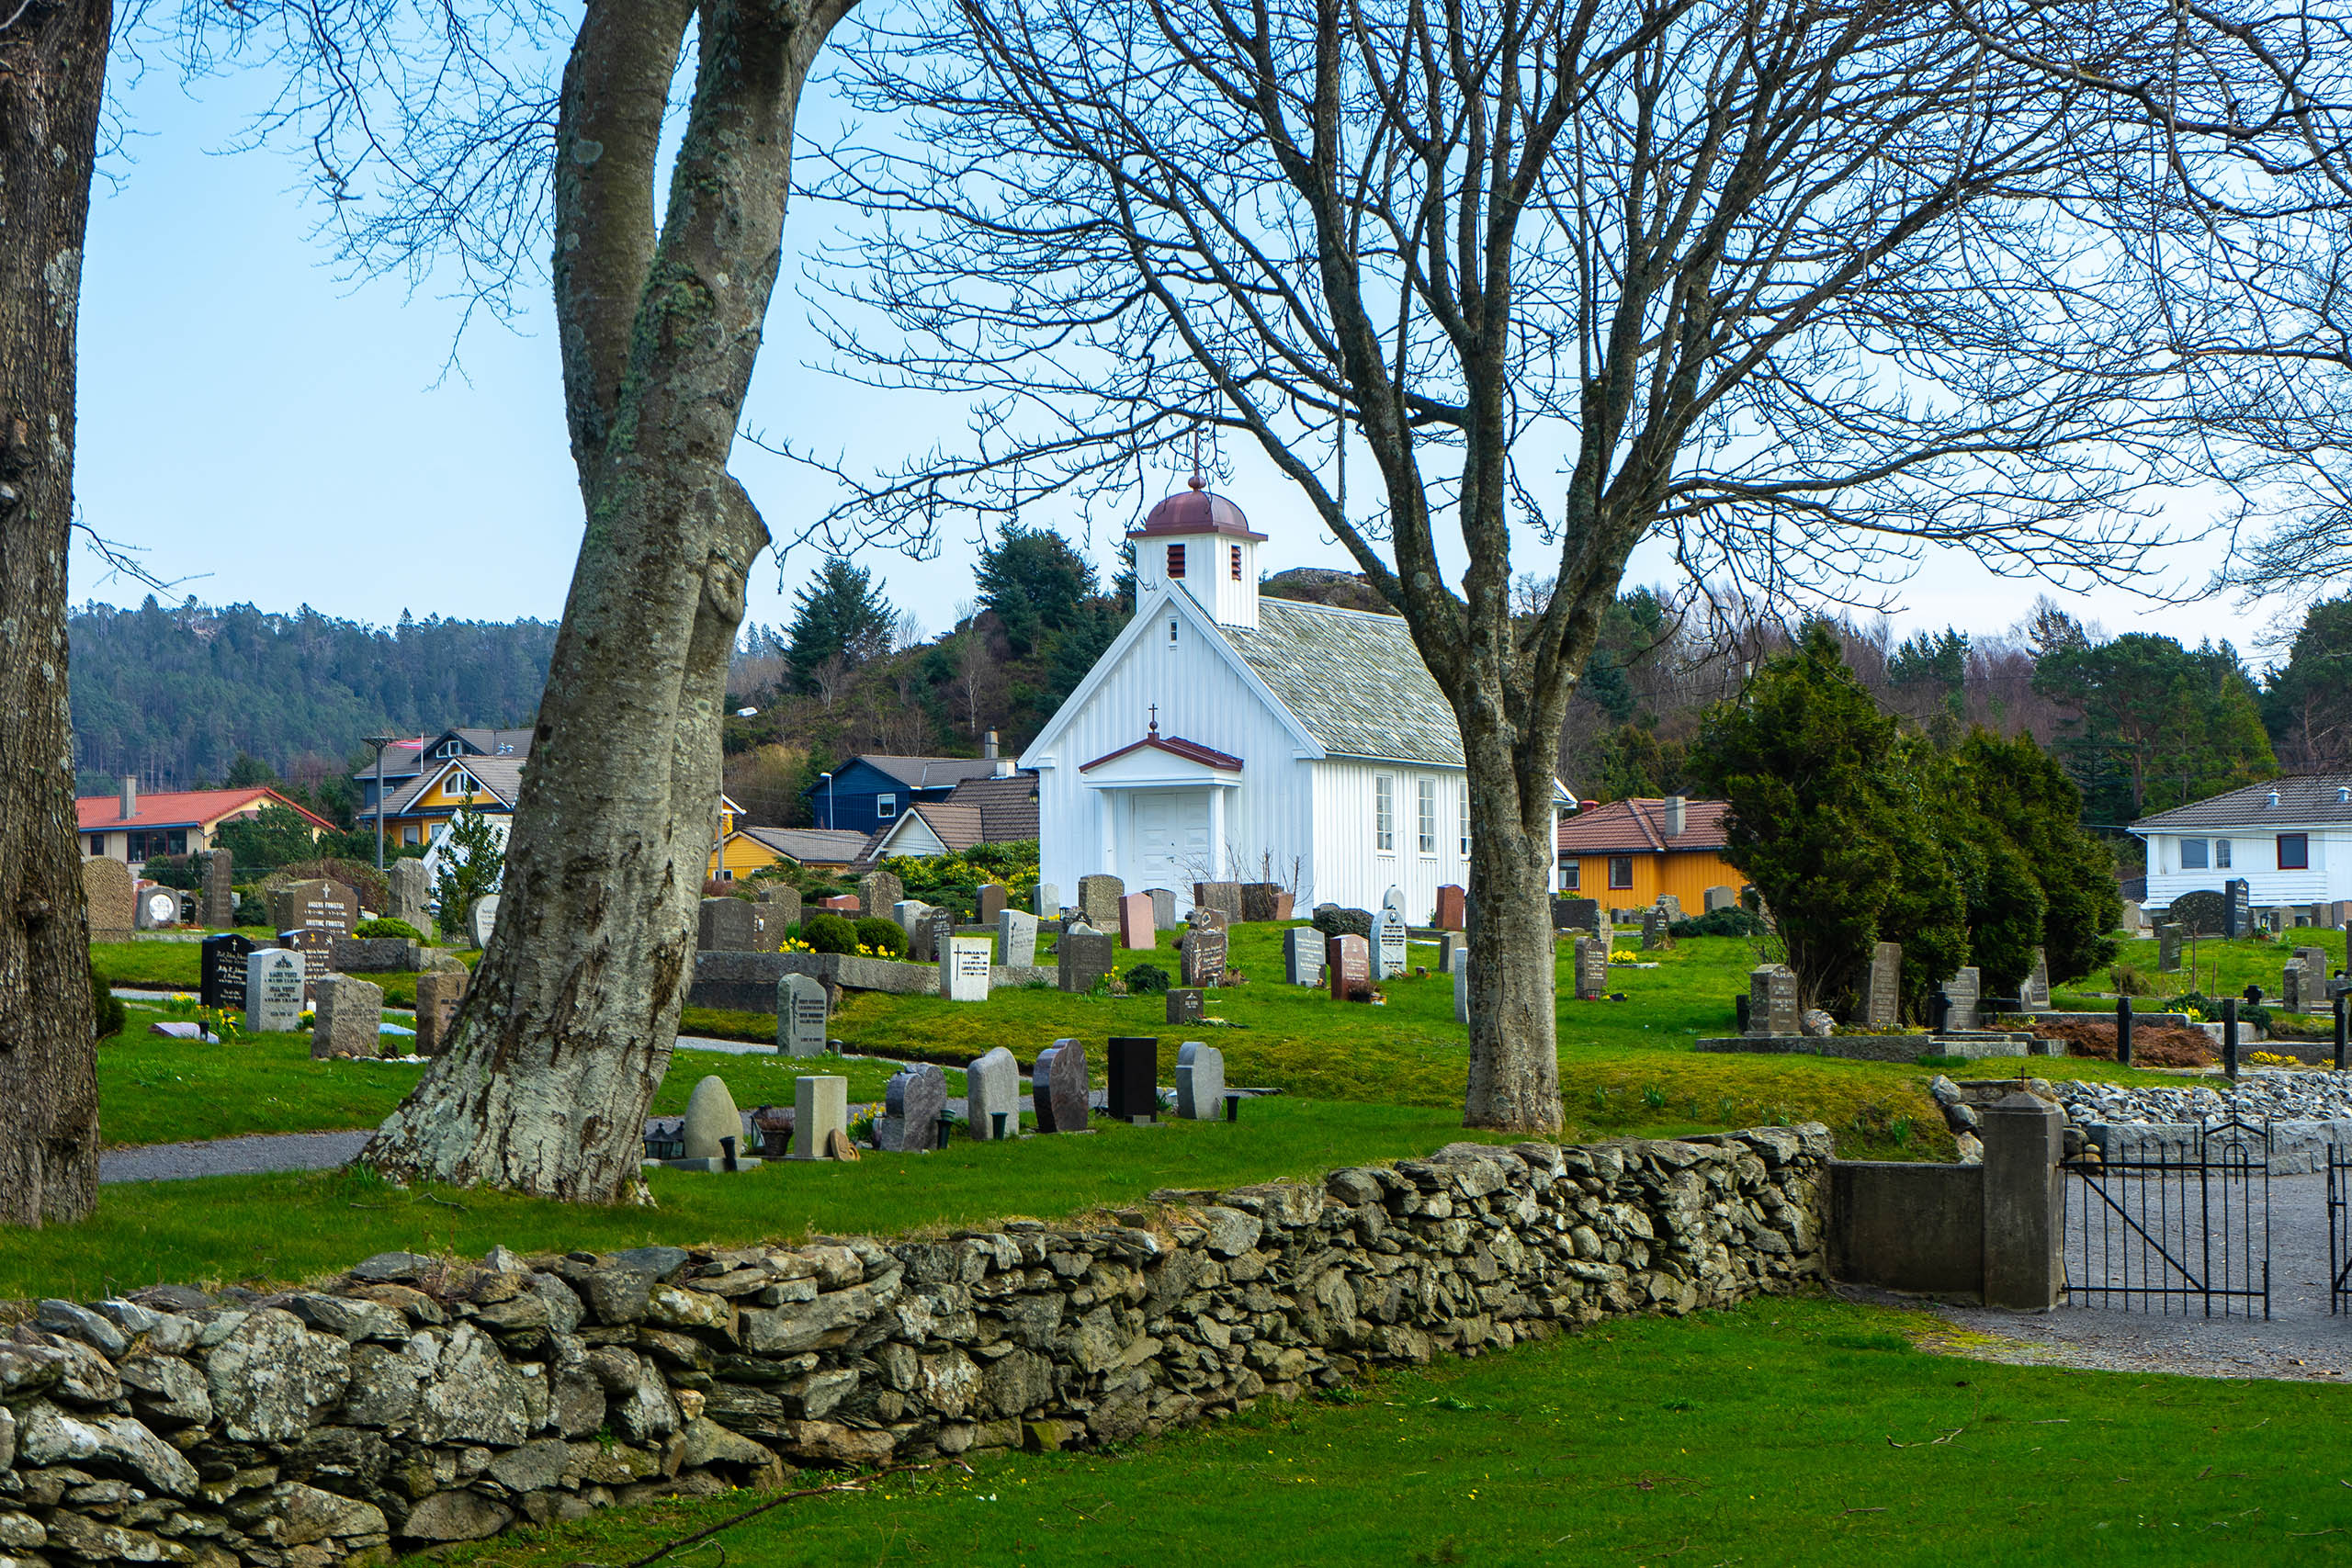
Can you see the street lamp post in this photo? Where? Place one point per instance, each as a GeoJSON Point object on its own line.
{"type": "Point", "coordinates": [829, 797]}
{"type": "Point", "coordinates": [380, 742]}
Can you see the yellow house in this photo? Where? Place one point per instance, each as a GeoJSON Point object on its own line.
{"type": "Point", "coordinates": [1628, 853]}
{"type": "Point", "coordinates": [490, 784]}
{"type": "Point", "coordinates": [744, 851]}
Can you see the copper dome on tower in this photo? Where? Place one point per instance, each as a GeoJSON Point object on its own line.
{"type": "Point", "coordinates": [1195, 509]}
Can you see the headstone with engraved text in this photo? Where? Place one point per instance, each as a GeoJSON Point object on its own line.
{"type": "Point", "coordinates": [802, 1014]}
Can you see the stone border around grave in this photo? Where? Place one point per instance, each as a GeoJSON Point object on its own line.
{"type": "Point", "coordinates": [417, 1401]}
{"type": "Point", "coordinates": [1881, 1047]}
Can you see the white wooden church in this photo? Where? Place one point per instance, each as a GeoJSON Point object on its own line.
{"type": "Point", "coordinates": [1224, 737]}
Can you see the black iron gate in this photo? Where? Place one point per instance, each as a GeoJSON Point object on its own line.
{"type": "Point", "coordinates": [2339, 1228]}
{"type": "Point", "coordinates": [2176, 1223]}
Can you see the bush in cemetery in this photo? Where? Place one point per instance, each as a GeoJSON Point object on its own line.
{"type": "Point", "coordinates": [107, 1017]}
{"type": "Point", "coordinates": [1145, 979]}
{"type": "Point", "coordinates": [387, 927]}
{"type": "Point", "coordinates": [2128, 981]}
{"type": "Point", "coordinates": [1734, 921]}
{"type": "Point", "coordinates": [882, 935]}
{"type": "Point", "coordinates": [175, 871]}
{"type": "Point", "coordinates": [828, 932]}
{"type": "Point", "coordinates": [473, 866]}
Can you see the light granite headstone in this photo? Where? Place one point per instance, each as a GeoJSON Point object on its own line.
{"type": "Point", "coordinates": [2134, 919]}
{"type": "Point", "coordinates": [1453, 948]}
{"type": "Point", "coordinates": [157, 908]}
{"type": "Point", "coordinates": [992, 1084]}
{"type": "Point", "coordinates": [876, 891]}
{"type": "Point", "coordinates": [782, 901]}
{"type": "Point", "coordinates": [1670, 906]}
{"type": "Point", "coordinates": [1883, 1000]}
{"type": "Point", "coordinates": [1045, 901]}
{"type": "Point", "coordinates": [802, 1015]}
{"type": "Point", "coordinates": [1058, 1087]}
{"type": "Point", "coordinates": [107, 887]}
{"type": "Point", "coordinates": [1083, 957]}
{"type": "Point", "coordinates": [274, 987]}
{"type": "Point", "coordinates": [711, 1116]}
{"type": "Point", "coordinates": [1137, 922]}
{"type": "Point", "coordinates": [2036, 994]}
{"type": "Point", "coordinates": [438, 994]}
{"type": "Point", "coordinates": [1200, 1082]}
{"type": "Point", "coordinates": [916, 1097]}
{"type": "Point", "coordinates": [411, 893]}
{"type": "Point", "coordinates": [1303, 956]}
{"type": "Point", "coordinates": [349, 1020]}
{"type": "Point", "coordinates": [963, 969]}
{"type": "Point", "coordinates": [1963, 988]}
{"type": "Point", "coordinates": [1721, 898]}
{"type": "Point", "coordinates": [909, 913]}
{"type": "Point", "coordinates": [1016, 940]}
{"type": "Point", "coordinates": [1163, 907]}
{"type": "Point", "coordinates": [482, 919]}
{"type": "Point", "coordinates": [1461, 994]}
{"type": "Point", "coordinates": [1390, 955]}
{"type": "Point", "coordinates": [1591, 970]}
{"type": "Point", "coordinates": [819, 1110]}
{"type": "Point", "coordinates": [1773, 1000]}
{"type": "Point", "coordinates": [1098, 901]}
{"type": "Point", "coordinates": [219, 908]}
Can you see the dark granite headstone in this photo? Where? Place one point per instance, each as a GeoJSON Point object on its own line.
{"type": "Point", "coordinates": [732, 925]}
{"type": "Point", "coordinates": [1059, 1086]}
{"type": "Point", "coordinates": [1346, 959]}
{"type": "Point", "coordinates": [995, 898]}
{"type": "Point", "coordinates": [917, 1095]}
{"type": "Point", "coordinates": [1576, 914]}
{"type": "Point", "coordinates": [1084, 956]}
{"type": "Point", "coordinates": [2201, 913]}
{"type": "Point", "coordinates": [2167, 947]}
{"type": "Point", "coordinates": [1204, 953]}
{"type": "Point", "coordinates": [221, 977]}
{"type": "Point", "coordinates": [1773, 1000]}
{"type": "Point", "coordinates": [1221, 897]}
{"type": "Point", "coordinates": [220, 895]}
{"type": "Point", "coordinates": [2239, 919]}
{"type": "Point", "coordinates": [1591, 969]}
{"type": "Point", "coordinates": [438, 994]}
{"type": "Point", "coordinates": [1303, 956]}
{"type": "Point", "coordinates": [1184, 1005]}
{"type": "Point", "coordinates": [314, 944]}
{"type": "Point", "coordinates": [1133, 1062]}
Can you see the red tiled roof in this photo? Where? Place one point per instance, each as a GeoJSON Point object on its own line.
{"type": "Point", "coordinates": [1190, 750]}
{"type": "Point", "coordinates": [180, 808]}
{"type": "Point", "coordinates": [1638, 827]}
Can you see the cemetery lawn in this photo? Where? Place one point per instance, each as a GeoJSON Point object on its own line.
{"type": "Point", "coordinates": [1788, 1431]}
{"type": "Point", "coordinates": [262, 1229]}
{"type": "Point", "coordinates": [2222, 967]}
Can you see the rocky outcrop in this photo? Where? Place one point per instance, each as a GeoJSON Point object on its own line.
{"type": "Point", "coordinates": [423, 1401]}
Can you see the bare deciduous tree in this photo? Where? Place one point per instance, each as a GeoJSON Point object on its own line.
{"type": "Point", "coordinates": [1802, 291]}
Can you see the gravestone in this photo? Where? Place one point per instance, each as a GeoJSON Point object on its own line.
{"type": "Point", "coordinates": [2317, 915]}
{"type": "Point", "coordinates": [1461, 994]}
{"type": "Point", "coordinates": [274, 988]}
{"type": "Point", "coordinates": [876, 891]}
{"type": "Point", "coordinates": [1045, 901]}
{"type": "Point", "coordinates": [1058, 1087]}
{"type": "Point", "coordinates": [222, 974]}
{"type": "Point", "coordinates": [1016, 940]}
{"type": "Point", "coordinates": [349, 1020]}
{"type": "Point", "coordinates": [314, 904]}
{"type": "Point", "coordinates": [1883, 1000]}
{"type": "Point", "coordinates": [2306, 977]}
{"type": "Point", "coordinates": [107, 887]}
{"type": "Point", "coordinates": [820, 1114]}
{"type": "Point", "coordinates": [1965, 990]}
{"type": "Point", "coordinates": [909, 913]}
{"type": "Point", "coordinates": [2238, 919]}
{"type": "Point", "coordinates": [1163, 907]}
{"type": "Point", "coordinates": [438, 992]}
{"type": "Point", "coordinates": [1185, 1005]}
{"type": "Point", "coordinates": [2167, 947]}
{"type": "Point", "coordinates": [992, 1084]}
{"type": "Point", "coordinates": [1577, 915]}
{"type": "Point", "coordinates": [1224, 897]}
{"type": "Point", "coordinates": [1136, 922]}
{"type": "Point", "coordinates": [410, 894]}
{"type": "Point", "coordinates": [782, 901]}
{"type": "Point", "coordinates": [1346, 959]}
{"type": "Point", "coordinates": [802, 1014]}
{"type": "Point", "coordinates": [840, 903]}
{"type": "Point", "coordinates": [916, 1097]}
{"type": "Point", "coordinates": [732, 925]}
{"type": "Point", "coordinates": [2202, 913]}
{"type": "Point", "coordinates": [1084, 956]}
{"type": "Point", "coordinates": [1203, 951]}
{"type": "Point", "coordinates": [158, 908]}
{"type": "Point", "coordinates": [219, 908]}
{"type": "Point", "coordinates": [1332, 921]}
{"type": "Point", "coordinates": [1592, 970]}
{"type": "Point", "coordinates": [1721, 898]}
{"type": "Point", "coordinates": [712, 1125]}
{"type": "Point", "coordinates": [2035, 994]}
{"type": "Point", "coordinates": [1390, 955]}
{"type": "Point", "coordinates": [1452, 949]}
{"type": "Point", "coordinates": [1215, 919]}
{"type": "Point", "coordinates": [934, 935]}
{"type": "Point", "coordinates": [1773, 1000]}
{"type": "Point", "coordinates": [316, 945]}
{"type": "Point", "coordinates": [1670, 907]}
{"type": "Point", "coordinates": [1200, 1082]}
{"type": "Point", "coordinates": [1303, 956]}
{"type": "Point", "coordinates": [1098, 901]}
{"type": "Point", "coordinates": [1133, 1066]}
{"type": "Point", "coordinates": [482, 919]}
{"type": "Point", "coordinates": [1450, 907]}
{"type": "Point", "coordinates": [1653, 929]}
{"type": "Point", "coordinates": [1393, 899]}
{"type": "Point", "coordinates": [995, 898]}
{"type": "Point", "coordinates": [963, 969]}
{"type": "Point", "coordinates": [2132, 918]}
{"type": "Point", "coordinates": [1264, 902]}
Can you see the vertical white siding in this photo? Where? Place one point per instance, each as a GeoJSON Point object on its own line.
{"type": "Point", "coordinates": [2253, 856]}
{"type": "Point", "coordinates": [1350, 869]}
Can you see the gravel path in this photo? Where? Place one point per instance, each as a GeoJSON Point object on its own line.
{"type": "Point", "coordinates": [2300, 1340]}
{"type": "Point", "coordinates": [232, 1156]}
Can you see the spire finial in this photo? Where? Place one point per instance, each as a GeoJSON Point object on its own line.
{"type": "Point", "coordinates": [1155, 718]}
{"type": "Point", "coordinates": [1198, 481]}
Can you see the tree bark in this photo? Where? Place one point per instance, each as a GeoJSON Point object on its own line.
{"type": "Point", "coordinates": [1514, 985]}
{"type": "Point", "coordinates": [52, 71]}
{"type": "Point", "coordinates": [568, 1028]}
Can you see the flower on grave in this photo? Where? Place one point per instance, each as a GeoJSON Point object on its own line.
{"type": "Point", "coordinates": [1622, 955]}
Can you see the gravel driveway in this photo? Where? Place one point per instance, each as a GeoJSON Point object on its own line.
{"type": "Point", "coordinates": [232, 1156]}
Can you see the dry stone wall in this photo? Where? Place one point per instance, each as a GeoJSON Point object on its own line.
{"type": "Point", "coordinates": [419, 1400]}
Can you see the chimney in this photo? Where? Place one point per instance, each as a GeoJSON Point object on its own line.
{"type": "Point", "coordinates": [129, 798]}
{"type": "Point", "coordinates": [1674, 817]}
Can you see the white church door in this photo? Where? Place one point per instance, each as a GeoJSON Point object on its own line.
{"type": "Point", "coordinates": [1171, 838]}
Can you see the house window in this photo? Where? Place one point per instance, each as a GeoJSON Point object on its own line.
{"type": "Point", "coordinates": [411, 834]}
{"type": "Point", "coordinates": [1172, 631]}
{"type": "Point", "coordinates": [460, 781]}
{"type": "Point", "coordinates": [2192, 854]}
{"type": "Point", "coordinates": [2294, 851]}
{"type": "Point", "coordinates": [2222, 855]}
{"type": "Point", "coordinates": [98, 843]}
{"type": "Point", "coordinates": [1176, 561]}
{"type": "Point", "coordinates": [1571, 875]}
{"type": "Point", "coordinates": [1237, 563]}
{"type": "Point", "coordinates": [451, 749]}
{"type": "Point", "coordinates": [1464, 800]}
{"type": "Point", "coordinates": [1425, 814]}
{"type": "Point", "coordinates": [1384, 814]}
{"type": "Point", "coordinates": [886, 806]}
{"type": "Point", "coordinates": [148, 845]}
{"type": "Point", "coordinates": [1621, 871]}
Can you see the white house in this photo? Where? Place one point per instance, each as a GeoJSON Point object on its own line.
{"type": "Point", "coordinates": [2290, 839]}
{"type": "Point", "coordinates": [1228, 738]}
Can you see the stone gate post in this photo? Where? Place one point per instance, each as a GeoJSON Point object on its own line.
{"type": "Point", "coordinates": [2024, 1204]}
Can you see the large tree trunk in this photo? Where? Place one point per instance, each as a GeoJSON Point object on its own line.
{"type": "Point", "coordinates": [569, 1025]}
{"type": "Point", "coordinates": [1514, 989]}
{"type": "Point", "coordinates": [52, 71]}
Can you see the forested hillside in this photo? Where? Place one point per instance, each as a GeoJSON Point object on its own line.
{"type": "Point", "coordinates": [178, 695]}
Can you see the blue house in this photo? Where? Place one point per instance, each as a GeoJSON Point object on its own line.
{"type": "Point", "coordinates": [870, 792]}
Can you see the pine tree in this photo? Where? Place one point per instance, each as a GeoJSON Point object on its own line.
{"type": "Point", "coordinates": [839, 616]}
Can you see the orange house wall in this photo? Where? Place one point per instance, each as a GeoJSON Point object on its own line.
{"type": "Point", "coordinates": [1685, 873]}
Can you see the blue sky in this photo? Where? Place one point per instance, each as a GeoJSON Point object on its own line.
{"type": "Point", "coordinates": [278, 433]}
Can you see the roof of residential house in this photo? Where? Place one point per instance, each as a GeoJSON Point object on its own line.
{"type": "Point", "coordinates": [1353, 681]}
{"type": "Point", "coordinates": [2310, 800]}
{"type": "Point", "coordinates": [957, 827]}
{"type": "Point", "coordinates": [824, 846]}
{"type": "Point", "coordinates": [180, 808]}
{"type": "Point", "coordinates": [500, 777]}
{"type": "Point", "coordinates": [1008, 805]}
{"type": "Point", "coordinates": [924, 772]}
{"type": "Point", "coordinates": [1638, 827]}
{"type": "Point", "coordinates": [403, 761]}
